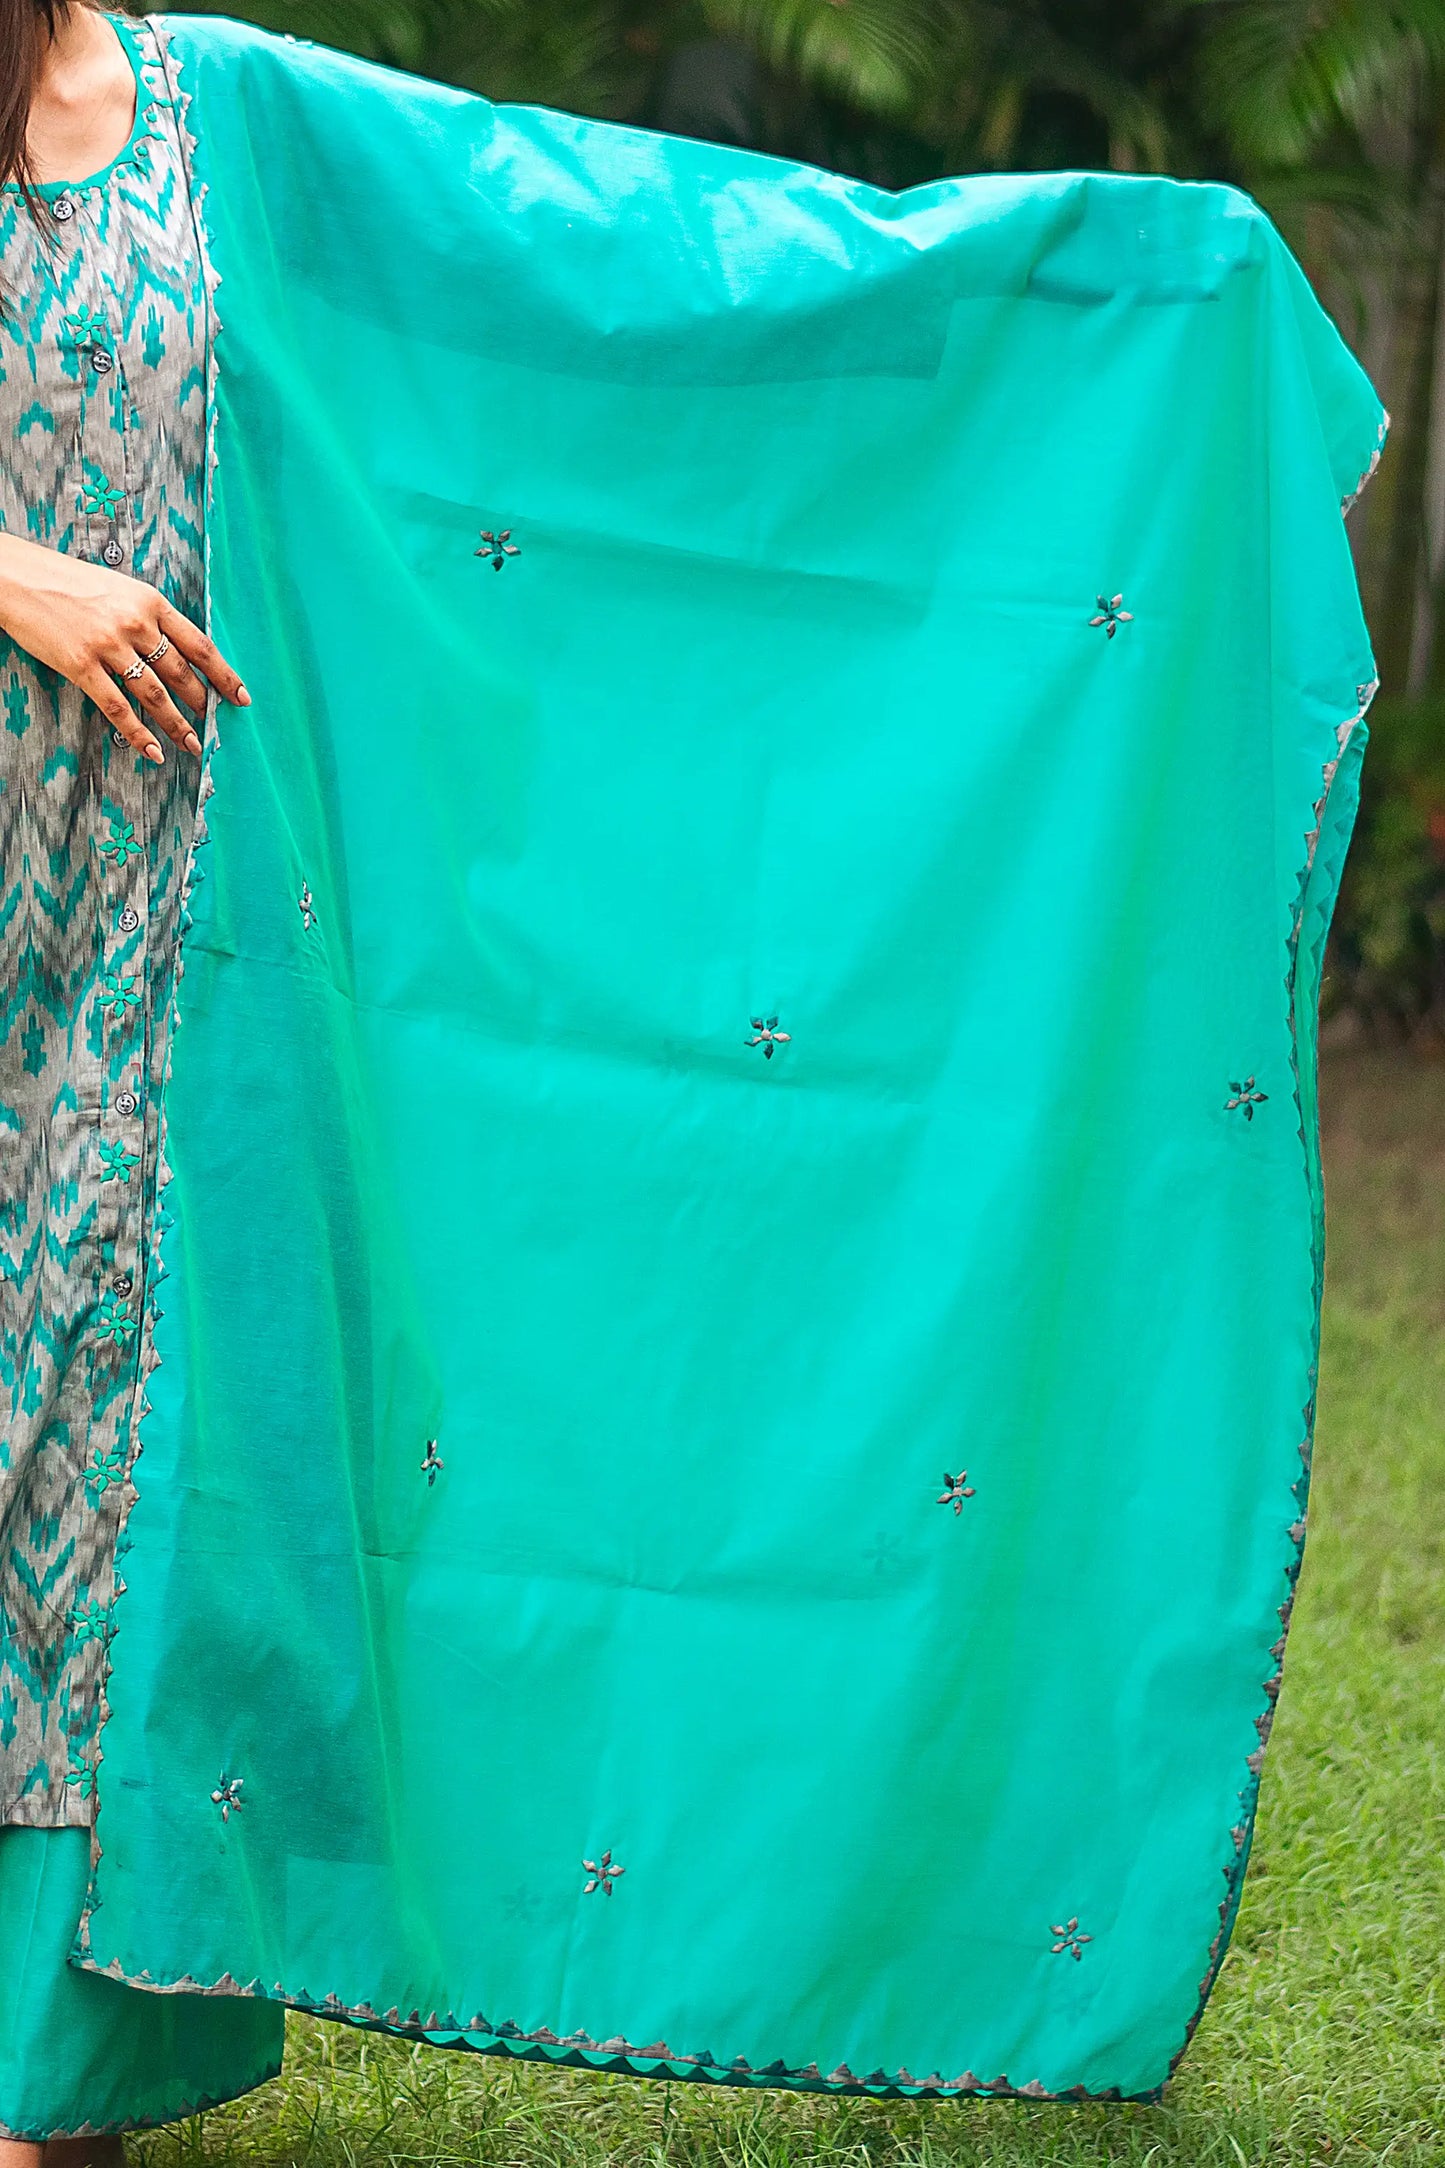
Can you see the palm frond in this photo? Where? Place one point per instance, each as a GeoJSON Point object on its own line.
{"type": "Point", "coordinates": [1280, 74]}
{"type": "Point", "coordinates": [875, 54]}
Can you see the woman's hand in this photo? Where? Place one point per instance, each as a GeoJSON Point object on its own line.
{"type": "Point", "coordinates": [93, 625]}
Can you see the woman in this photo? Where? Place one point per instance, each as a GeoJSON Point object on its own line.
{"type": "Point", "coordinates": [104, 679]}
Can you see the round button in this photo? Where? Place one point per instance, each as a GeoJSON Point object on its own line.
{"type": "Point", "coordinates": [122, 1284]}
{"type": "Point", "coordinates": [126, 1102]}
{"type": "Point", "coordinates": [101, 360]}
{"type": "Point", "coordinates": [118, 737]}
{"type": "Point", "coordinates": [113, 554]}
{"type": "Point", "coordinates": [129, 919]}
{"type": "Point", "coordinates": [63, 209]}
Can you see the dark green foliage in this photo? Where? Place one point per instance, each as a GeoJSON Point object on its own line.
{"type": "Point", "coordinates": [1388, 960]}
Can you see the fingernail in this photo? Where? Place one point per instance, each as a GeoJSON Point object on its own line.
{"type": "Point", "coordinates": [243, 698]}
{"type": "Point", "coordinates": [193, 743]}
{"type": "Point", "coordinates": [153, 752]}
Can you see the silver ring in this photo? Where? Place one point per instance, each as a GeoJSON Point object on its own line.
{"type": "Point", "coordinates": [135, 670]}
{"type": "Point", "coordinates": [163, 649]}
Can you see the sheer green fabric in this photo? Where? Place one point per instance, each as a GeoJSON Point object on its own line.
{"type": "Point", "coordinates": [734, 1396]}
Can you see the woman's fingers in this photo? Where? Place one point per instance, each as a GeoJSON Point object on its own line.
{"type": "Point", "coordinates": [177, 675]}
{"type": "Point", "coordinates": [204, 653]}
{"type": "Point", "coordinates": [98, 685]}
{"type": "Point", "coordinates": [159, 705]}
{"type": "Point", "coordinates": [144, 686]}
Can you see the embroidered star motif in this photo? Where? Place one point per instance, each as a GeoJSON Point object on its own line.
{"type": "Point", "coordinates": [955, 1489]}
{"type": "Point", "coordinates": [227, 1796]}
{"type": "Point", "coordinates": [498, 547]}
{"type": "Point", "coordinates": [767, 1035]}
{"type": "Point", "coordinates": [1111, 616]}
{"type": "Point", "coordinates": [1245, 1096]}
{"type": "Point", "coordinates": [1070, 1939]}
{"type": "Point", "coordinates": [603, 1874]}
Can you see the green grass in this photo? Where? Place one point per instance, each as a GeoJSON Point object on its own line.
{"type": "Point", "coordinates": [1323, 2042]}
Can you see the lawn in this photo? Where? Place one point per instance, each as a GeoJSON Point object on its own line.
{"type": "Point", "coordinates": [1323, 2042]}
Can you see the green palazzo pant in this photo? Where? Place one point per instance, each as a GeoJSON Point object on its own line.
{"type": "Point", "coordinates": [79, 2054]}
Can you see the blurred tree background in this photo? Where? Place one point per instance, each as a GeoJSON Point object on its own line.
{"type": "Point", "coordinates": [1331, 113]}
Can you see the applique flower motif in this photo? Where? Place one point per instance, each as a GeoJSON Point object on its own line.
{"type": "Point", "coordinates": [115, 1161]}
{"type": "Point", "coordinates": [227, 1796]}
{"type": "Point", "coordinates": [106, 1468]}
{"type": "Point", "coordinates": [81, 1773]}
{"type": "Point", "coordinates": [1111, 616]}
{"type": "Point", "coordinates": [305, 904]}
{"type": "Point", "coordinates": [89, 1622]}
{"type": "Point", "coordinates": [767, 1035]}
{"type": "Point", "coordinates": [882, 1552]}
{"type": "Point", "coordinates": [116, 1322]}
{"type": "Point", "coordinates": [84, 326]}
{"type": "Point", "coordinates": [955, 1489]}
{"type": "Point", "coordinates": [520, 1905]}
{"type": "Point", "coordinates": [498, 547]}
{"type": "Point", "coordinates": [433, 1465]}
{"type": "Point", "coordinates": [1070, 1939]}
{"type": "Point", "coordinates": [122, 844]}
{"type": "Point", "coordinates": [1245, 1096]}
{"type": "Point", "coordinates": [118, 993]}
{"type": "Point", "coordinates": [603, 1874]}
{"type": "Point", "coordinates": [100, 495]}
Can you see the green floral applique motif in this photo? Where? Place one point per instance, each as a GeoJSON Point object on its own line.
{"type": "Point", "coordinates": [122, 844]}
{"type": "Point", "coordinates": [116, 1323]}
{"type": "Point", "coordinates": [81, 1773]}
{"type": "Point", "coordinates": [118, 993]}
{"type": "Point", "coordinates": [116, 1162]}
{"type": "Point", "coordinates": [106, 1469]}
{"type": "Point", "coordinates": [433, 1465]}
{"type": "Point", "coordinates": [100, 494]}
{"type": "Point", "coordinates": [84, 327]}
{"type": "Point", "coordinates": [90, 1622]}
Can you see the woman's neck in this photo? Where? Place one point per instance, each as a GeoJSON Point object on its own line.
{"type": "Point", "coordinates": [84, 105]}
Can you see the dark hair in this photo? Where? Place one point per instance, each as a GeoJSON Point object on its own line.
{"type": "Point", "coordinates": [26, 27]}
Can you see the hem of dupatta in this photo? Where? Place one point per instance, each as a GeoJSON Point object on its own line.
{"type": "Point", "coordinates": [579, 2050]}
{"type": "Point", "coordinates": [193, 872]}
